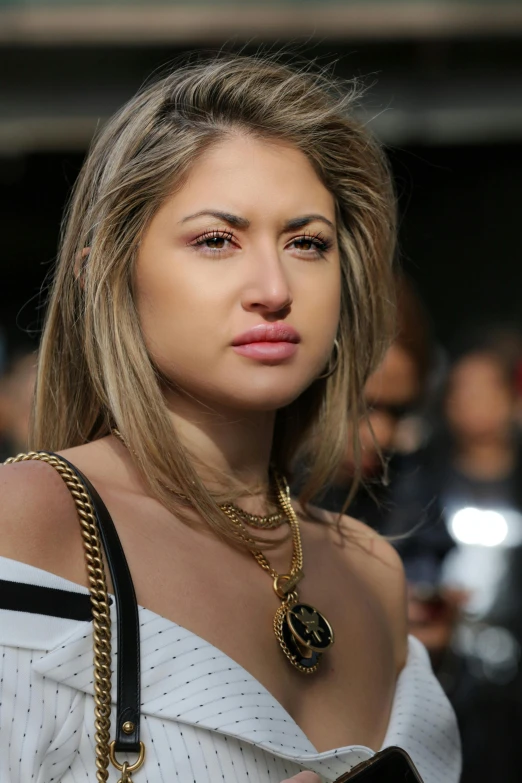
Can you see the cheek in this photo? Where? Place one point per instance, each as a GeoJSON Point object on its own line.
{"type": "Point", "coordinates": [174, 309]}
{"type": "Point", "coordinates": [380, 430]}
{"type": "Point", "coordinates": [318, 302]}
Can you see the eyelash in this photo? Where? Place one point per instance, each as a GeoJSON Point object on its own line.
{"type": "Point", "coordinates": [215, 234]}
{"type": "Point", "coordinates": [321, 243]}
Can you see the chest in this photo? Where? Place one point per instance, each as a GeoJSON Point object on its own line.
{"type": "Point", "coordinates": [222, 595]}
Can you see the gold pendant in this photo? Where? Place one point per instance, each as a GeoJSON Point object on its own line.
{"type": "Point", "coordinates": [309, 627]}
{"type": "Point", "coordinates": [303, 633]}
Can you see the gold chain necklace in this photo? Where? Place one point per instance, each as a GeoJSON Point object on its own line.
{"type": "Point", "coordinates": [268, 522]}
{"type": "Point", "coordinates": [259, 521]}
{"type": "Point", "coordinates": [302, 631]}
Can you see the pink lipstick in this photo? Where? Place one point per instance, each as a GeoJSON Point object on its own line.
{"type": "Point", "coordinates": [268, 342]}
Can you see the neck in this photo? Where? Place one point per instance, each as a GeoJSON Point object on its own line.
{"type": "Point", "coordinates": [228, 446]}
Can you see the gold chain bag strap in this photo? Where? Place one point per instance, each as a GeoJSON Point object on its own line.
{"type": "Point", "coordinates": [81, 492]}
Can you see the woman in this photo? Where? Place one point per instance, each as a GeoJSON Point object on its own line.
{"type": "Point", "coordinates": [222, 289]}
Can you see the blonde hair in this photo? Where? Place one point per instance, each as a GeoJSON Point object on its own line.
{"type": "Point", "coordinates": [94, 369]}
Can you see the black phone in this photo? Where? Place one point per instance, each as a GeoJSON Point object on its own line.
{"type": "Point", "coordinates": [392, 765]}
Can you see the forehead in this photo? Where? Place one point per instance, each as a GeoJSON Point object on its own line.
{"type": "Point", "coordinates": [479, 367]}
{"type": "Point", "coordinates": [259, 176]}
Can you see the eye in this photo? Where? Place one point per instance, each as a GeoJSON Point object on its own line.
{"type": "Point", "coordinates": [311, 245]}
{"type": "Point", "coordinates": [215, 241]}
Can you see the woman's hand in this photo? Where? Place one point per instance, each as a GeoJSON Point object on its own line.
{"type": "Point", "coordinates": [303, 777]}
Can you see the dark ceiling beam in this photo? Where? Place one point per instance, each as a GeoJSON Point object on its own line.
{"type": "Point", "coordinates": [211, 24]}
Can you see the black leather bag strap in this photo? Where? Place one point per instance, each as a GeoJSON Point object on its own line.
{"type": "Point", "coordinates": [128, 627]}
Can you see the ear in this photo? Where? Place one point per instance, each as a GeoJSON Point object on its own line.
{"type": "Point", "coordinates": [80, 264]}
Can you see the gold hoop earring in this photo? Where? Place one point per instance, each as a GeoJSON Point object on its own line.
{"type": "Point", "coordinates": [332, 369]}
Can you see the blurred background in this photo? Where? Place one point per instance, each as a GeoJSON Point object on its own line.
{"type": "Point", "coordinates": [444, 95]}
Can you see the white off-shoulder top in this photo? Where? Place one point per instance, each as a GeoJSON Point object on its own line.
{"type": "Point", "coordinates": [205, 719]}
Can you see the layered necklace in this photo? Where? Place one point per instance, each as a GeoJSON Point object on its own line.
{"type": "Point", "coordinates": [302, 631]}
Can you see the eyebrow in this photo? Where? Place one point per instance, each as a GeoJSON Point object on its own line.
{"type": "Point", "coordinates": [239, 222]}
{"type": "Point", "coordinates": [232, 220]}
{"type": "Point", "coordinates": [301, 222]}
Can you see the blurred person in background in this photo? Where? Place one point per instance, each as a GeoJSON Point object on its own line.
{"type": "Point", "coordinates": [393, 394]}
{"type": "Point", "coordinates": [16, 398]}
{"type": "Point", "coordinates": [477, 467]}
{"type": "Point", "coordinates": [480, 410]}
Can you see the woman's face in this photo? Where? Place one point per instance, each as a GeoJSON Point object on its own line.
{"type": "Point", "coordinates": [480, 403]}
{"type": "Point", "coordinates": [390, 393]}
{"type": "Point", "coordinates": [248, 242]}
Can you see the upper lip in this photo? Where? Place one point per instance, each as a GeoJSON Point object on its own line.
{"type": "Point", "coordinates": [268, 333]}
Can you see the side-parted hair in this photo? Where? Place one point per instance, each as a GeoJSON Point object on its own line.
{"type": "Point", "coordinates": [94, 369]}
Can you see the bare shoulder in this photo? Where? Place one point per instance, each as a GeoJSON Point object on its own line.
{"type": "Point", "coordinates": [361, 542]}
{"type": "Point", "coordinates": [377, 565]}
{"type": "Point", "coordinates": [38, 519]}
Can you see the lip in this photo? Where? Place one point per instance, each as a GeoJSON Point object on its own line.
{"type": "Point", "coordinates": [269, 343]}
{"type": "Point", "coordinates": [268, 333]}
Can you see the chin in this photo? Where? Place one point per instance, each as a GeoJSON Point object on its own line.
{"type": "Point", "coordinates": [264, 400]}
{"type": "Point", "coordinates": [269, 396]}
{"type": "Point", "coordinates": [247, 391]}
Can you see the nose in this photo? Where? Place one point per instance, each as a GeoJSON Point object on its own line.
{"type": "Point", "coordinates": [267, 290]}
